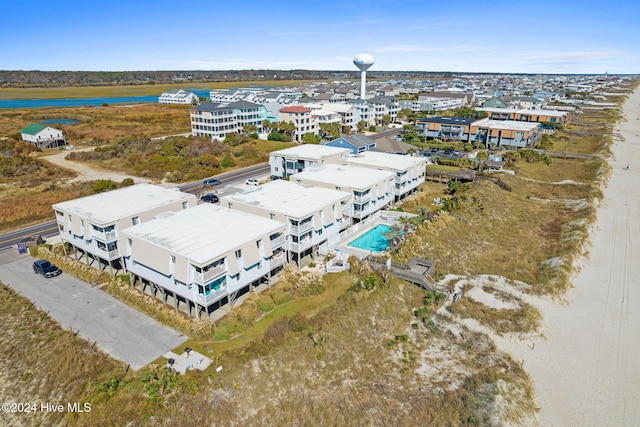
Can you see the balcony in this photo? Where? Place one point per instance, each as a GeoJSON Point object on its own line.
{"type": "Point", "coordinates": [301, 246]}
{"type": "Point", "coordinates": [212, 296]}
{"type": "Point", "coordinates": [108, 254]}
{"type": "Point", "coordinates": [362, 198]}
{"type": "Point", "coordinates": [277, 242]}
{"type": "Point", "coordinates": [278, 260]}
{"type": "Point", "coordinates": [204, 277]}
{"type": "Point", "coordinates": [301, 228]}
{"type": "Point", "coordinates": [107, 236]}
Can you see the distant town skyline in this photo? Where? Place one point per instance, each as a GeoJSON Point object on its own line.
{"type": "Point", "coordinates": [501, 36]}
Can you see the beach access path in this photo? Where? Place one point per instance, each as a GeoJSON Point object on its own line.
{"type": "Point", "coordinates": [587, 370]}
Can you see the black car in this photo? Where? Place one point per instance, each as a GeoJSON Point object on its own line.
{"type": "Point", "coordinates": [211, 181]}
{"type": "Point", "coordinates": [210, 198]}
{"type": "Point", "coordinates": [44, 267]}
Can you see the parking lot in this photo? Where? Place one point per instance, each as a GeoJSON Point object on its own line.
{"type": "Point", "coordinates": [118, 329]}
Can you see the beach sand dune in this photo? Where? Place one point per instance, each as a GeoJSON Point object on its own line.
{"type": "Point", "coordinates": [586, 371]}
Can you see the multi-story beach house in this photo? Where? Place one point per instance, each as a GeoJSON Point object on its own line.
{"type": "Point", "coordinates": [505, 133]}
{"type": "Point", "coordinates": [217, 121]}
{"type": "Point", "coordinates": [409, 170]}
{"type": "Point", "coordinates": [178, 96]}
{"type": "Point", "coordinates": [295, 159]}
{"type": "Point", "coordinates": [302, 120]}
{"type": "Point", "coordinates": [371, 189]}
{"type": "Point", "coordinates": [312, 214]}
{"type": "Point", "coordinates": [204, 257]}
{"type": "Point", "coordinates": [92, 225]}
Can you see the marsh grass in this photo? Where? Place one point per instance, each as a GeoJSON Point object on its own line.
{"type": "Point", "coordinates": [128, 90]}
{"type": "Point", "coordinates": [23, 206]}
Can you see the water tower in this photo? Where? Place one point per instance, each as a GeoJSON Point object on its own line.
{"type": "Point", "coordinates": [364, 61]}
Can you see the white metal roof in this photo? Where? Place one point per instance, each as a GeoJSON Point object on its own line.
{"type": "Point", "coordinates": [292, 200]}
{"type": "Point", "coordinates": [387, 161]}
{"type": "Point", "coordinates": [204, 232]}
{"type": "Point", "coordinates": [507, 124]}
{"type": "Point", "coordinates": [310, 151]}
{"type": "Point", "coordinates": [110, 206]}
{"type": "Point", "coordinates": [347, 175]}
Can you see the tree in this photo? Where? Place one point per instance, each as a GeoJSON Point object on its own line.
{"type": "Point", "coordinates": [266, 125]}
{"type": "Point", "coordinates": [250, 129]}
{"type": "Point", "coordinates": [362, 125]}
{"type": "Point", "coordinates": [386, 119]}
{"type": "Point", "coordinates": [311, 138]}
{"type": "Point", "coordinates": [330, 130]}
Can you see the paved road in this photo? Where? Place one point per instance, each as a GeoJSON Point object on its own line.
{"type": "Point", "coordinates": [119, 330]}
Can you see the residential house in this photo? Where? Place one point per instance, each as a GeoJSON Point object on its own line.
{"type": "Point", "coordinates": [92, 225]}
{"type": "Point", "coordinates": [409, 170]}
{"type": "Point", "coordinates": [302, 119]}
{"type": "Point", "coordinates": [217, 121]}
{"type": "Point", "coordinates": [505, 133]}
{"type": "Point", "coordinates": [371, 189]}
{"type": "Point", "coordinates": [43, 136]}
{"type": "Point", "coordinates": [312, 214]}
{"type": "Point", "coordinates": [357, 143]}
{"type": "Point", "coordinates": [201, 258]}
{"type": "Point", "coordinates": [524, 115]}
{"type": "Point", "coordinates": [178, 96]}
{"type": "Point", "coordinates": [292, 160]}
{"type": "Point", "coordinates": [445, 128]}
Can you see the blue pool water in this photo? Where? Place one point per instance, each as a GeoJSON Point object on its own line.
{"type": "Point", "coordinates": [373, 240]}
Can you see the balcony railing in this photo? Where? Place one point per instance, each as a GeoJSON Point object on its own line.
{"type": "Point", "coordinates": [205, 277]}
{"type": "Point", "coordinates": [211, 297]}
{"type": "Point", "coordinates": [107, 236]}
{"type": "Point", "coordinates": [362, 197]}
{"type": "Point", "coordinates": [109, 255]}
{"type": "Point", "coordinates": [301, 246]}
{"type": "Point", "coordinates": [277, 242]}
{"type": "Point", "coordinates": [301, 228]}
{"type": "Point", "coordinates": [278, 260]}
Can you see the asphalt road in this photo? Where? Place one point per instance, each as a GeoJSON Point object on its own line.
{"type": "Point", "coordinates": [119, 330]}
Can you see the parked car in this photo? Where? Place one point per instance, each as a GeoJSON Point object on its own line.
{"type": "Point", "coordinates": [44, 267]}
{"type": "Point", "coordinates": [251, 182]}
{"type": "Point", "coordinates": [448, 150]}
{"type": "Point", "coordinates": [211, 181]}
{"type": "Point", "coordinates": [456, 153]}
{"type": "Point", "coordinates": [210, 198]}
{"type": "Point", "coordinates": [434, 150]}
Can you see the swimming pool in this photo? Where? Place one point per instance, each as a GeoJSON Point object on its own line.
{"type": "Point", "coordinates": [373, 240]}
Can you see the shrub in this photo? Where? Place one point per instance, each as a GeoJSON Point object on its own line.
{"type": "Point", "coordinates": [265, 303]}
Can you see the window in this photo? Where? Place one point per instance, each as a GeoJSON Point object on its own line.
{"type": "Point", "coordinates": [230, 205]}
{"type": "Point", "coordinates": [173, 259]}
{"type": "Point", "coordinates": [185, 205]}
{"type": "Point", "coordinates": [272, 216]}
{"type": "Point", "coordinates": [259, 243]}
{"type": "Point", "coordinates": [338, 188]}
{"type": "Point", "coordinates": [135, 220]}
{"type": "Point", "coordinates": [239, 253]}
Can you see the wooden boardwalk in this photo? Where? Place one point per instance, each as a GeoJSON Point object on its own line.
{"type": "Point", "coordinates": [417, 271]}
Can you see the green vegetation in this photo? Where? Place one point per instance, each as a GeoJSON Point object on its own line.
{"type": "Point", "coordinates": [177, 159]}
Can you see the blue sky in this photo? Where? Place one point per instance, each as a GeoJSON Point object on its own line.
{"type": "Point", "coordinates": [539, 36]}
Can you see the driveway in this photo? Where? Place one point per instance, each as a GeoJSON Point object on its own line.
{"type": "Point", "coordinates": [119, 330]}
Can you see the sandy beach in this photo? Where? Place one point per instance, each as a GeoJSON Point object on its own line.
{"type": "Point", "coordinates": [586, 372]}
